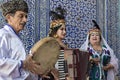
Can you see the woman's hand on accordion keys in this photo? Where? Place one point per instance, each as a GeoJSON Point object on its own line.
{"type": "Point", "coordinates": [32, 66]}
{"type": "Point", "coordinates": [67, 77]}
{"type": "Point", "coordinates": [55, 73]}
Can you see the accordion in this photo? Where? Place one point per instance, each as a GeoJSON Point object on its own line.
{"type": "Point", "coordinates": [74, 63]}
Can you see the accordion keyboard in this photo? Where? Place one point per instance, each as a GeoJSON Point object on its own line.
{"type": "Point", "coordinates": [61, 66]}
{"type": "Point", "coordinates": [73, 62]}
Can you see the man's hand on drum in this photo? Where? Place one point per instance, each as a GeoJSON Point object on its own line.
{"type": "Point", "coordinates": [32, 66]}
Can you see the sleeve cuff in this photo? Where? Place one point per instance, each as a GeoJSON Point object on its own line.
{"type": "Point", "coordinates": [21, 64]}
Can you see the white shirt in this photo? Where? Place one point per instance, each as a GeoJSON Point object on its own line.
{"type": "Point", "coordinates": [12, 51]}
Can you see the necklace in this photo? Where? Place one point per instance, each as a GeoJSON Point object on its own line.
{"type": "Point", "coordinates": [98, 49]}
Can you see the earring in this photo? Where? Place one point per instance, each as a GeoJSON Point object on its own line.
{"type": "Point", "coordinates": [55, 36]}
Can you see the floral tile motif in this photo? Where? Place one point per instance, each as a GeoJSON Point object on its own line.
{"type": "Point", "coordinates": [78, 21]}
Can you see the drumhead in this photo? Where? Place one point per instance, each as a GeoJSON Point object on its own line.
{"type": "Point", "coordinates": [46, 52]}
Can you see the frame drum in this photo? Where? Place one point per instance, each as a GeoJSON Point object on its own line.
{"type": "Point", "coordinates": [46, 52]}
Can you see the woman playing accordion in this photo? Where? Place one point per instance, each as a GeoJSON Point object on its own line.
{"type": "Point", "coordinates": [57, 31]}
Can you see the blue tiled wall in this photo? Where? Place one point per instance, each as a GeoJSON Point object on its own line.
{"type": "Point", "coordinates": [78, 21]}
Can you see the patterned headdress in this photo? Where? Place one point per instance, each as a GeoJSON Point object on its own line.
{"type": "Point", "coordinates": [95, 28]}
{"type": "Point", "coordinates": [86, 45]}
{"type": "Point", "coordinates": [57, 19]}
{"type": "Point", "coordinates": [13, 6]}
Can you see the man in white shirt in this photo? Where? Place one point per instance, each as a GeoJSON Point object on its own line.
{"type": "Point", "coordinates": [15, 64]}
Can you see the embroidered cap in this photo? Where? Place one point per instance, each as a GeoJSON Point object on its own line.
{"type": "Point", "coordinates": [13, 6]}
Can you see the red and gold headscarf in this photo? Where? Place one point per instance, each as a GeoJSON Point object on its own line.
{"type": "Point", "coordinates": [56, 23]}
{"type": "Point", "coordinates": [94, 30]}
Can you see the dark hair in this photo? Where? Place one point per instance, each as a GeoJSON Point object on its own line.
{"type": "Point", "coordinates": [59, 13]}
{"type": "Point", "coordinates": [13, 6]}
{"type": "Point", "coordinates": [54, 30]}
{"type": "Point", "coordinates": [57, 19]}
